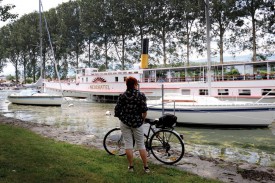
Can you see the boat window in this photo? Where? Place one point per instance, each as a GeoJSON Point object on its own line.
{"type": "Point", "coordinates": [223, 92]}
{"type": "Point", "coordinates": [86, 79]}
{"type": "Point", "coordinates": [185, 92]}
{"type": "Point", "coordinates": [244, 92]}
{"type": "Point", "coordinates": [203, 92]}
{"type": "Point", "coordinates": [82, 80]}
{"type": "Point", "coordinates": [116, 78]}
{"type": "Point", "coordinates": [268, 91]}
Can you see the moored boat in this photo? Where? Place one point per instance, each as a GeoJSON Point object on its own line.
{"type": "Point", "coordinates": [33, 97]}
{"type": "Point", "coordinates": [36, 97]}
{"type": "Point", "coordinates": [205, 110]}
{"type": "Point", "coordinates": [106, 86]}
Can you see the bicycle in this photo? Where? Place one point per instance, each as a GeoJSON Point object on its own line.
{"type": "Point", "coordinates": [166, 145]}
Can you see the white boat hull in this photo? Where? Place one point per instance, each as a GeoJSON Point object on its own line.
{"type": "Point", "coordinates": [36, 100]}
{"type": "Point", "coordinates": [195, 116]}
{"type": "Point", "coordinates": [203, 110]}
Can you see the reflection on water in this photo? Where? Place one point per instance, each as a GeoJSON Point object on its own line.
{"type": "Point", "coordinates": [82, 116]}
{"type": "Point", "coordinates": [251, 145]}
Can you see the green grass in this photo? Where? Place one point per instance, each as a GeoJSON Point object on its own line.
{"type": "Point", "coordinates": [28, 157]}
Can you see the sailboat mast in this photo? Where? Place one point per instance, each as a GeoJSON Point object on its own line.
{"type": "Point", "coordinates": [208, 47]}
{"type": "Point", "coordinates": [40, 38]}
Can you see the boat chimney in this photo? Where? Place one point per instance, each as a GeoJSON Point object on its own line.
{"type": "Point", "coordinates": [144, 54]}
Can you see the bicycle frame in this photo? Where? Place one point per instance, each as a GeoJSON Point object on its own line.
{"type": "Point", "coordinates": [153, 131]}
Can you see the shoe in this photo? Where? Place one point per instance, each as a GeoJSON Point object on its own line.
{"type": "Point", "coordinates": [146, 169]}
{"type": "Point", "coordinates": [131, 168]}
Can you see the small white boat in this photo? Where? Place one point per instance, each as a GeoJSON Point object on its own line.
{"type": "Point", "coordinates": [33, 97]}
{"type": "Point", "coordinates": [205, 110]}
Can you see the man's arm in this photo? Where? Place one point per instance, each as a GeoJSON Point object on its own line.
{"type": "Point", "coordinates": [144, 116]}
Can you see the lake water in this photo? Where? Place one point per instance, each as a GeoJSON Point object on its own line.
{"type": "Point", "coordinates": [254, 145]}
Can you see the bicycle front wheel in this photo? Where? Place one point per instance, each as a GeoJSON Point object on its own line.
{"type": "Point", "coordinates": [167, 146]}
{"type": "Point", "coordinates": [113, 142]}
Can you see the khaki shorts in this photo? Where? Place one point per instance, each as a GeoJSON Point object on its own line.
{"type": "Point", "coordinates": [128, 134]}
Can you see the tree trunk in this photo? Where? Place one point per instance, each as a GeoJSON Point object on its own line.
{"type": "Point", "coordinates": [123, 51]}
{"type": "Point", "coordinates": [43, 65]}
{"type": "Point", "coordinates": [254, 37]}
{"type": "Point", "coordinates": [24, 68]}
{"type": "Point", "coordinates": [89, 62]}
{"type": "Point", "coordinates": [77, 55]}
{"type": "Point", "coordinates": [188, 49]}
{"type": "Point", "coordinates": [164, 47]}
{"type": "Point", "coordinates": [34, 70]}
{"type": "Point", "coordinates": [106, 52]}
{"type": "Point", "coordinates": [221, 45]}
{"type": "Point", "coordinates": [16, 71]}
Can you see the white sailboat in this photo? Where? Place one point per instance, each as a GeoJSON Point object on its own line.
{"type": "Point", "coordinates": [36, 97]}
{"type": "Point", "coordinates": [207, 110]}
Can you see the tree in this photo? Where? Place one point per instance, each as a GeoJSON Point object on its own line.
{"type": "Point", "coordinates": [163, 24]}
{"type": "Point", "coordinates": [98, 25]}
{"type": "Point", "coordinates": [11, 41]}
{"type": "Point", "coordinates": [5, 12]}
{"type": "Point", "coordinates": [189, 30]}
{"type": "Point", "coordinates": [224, 15]}
{"type": "Point", "coordinates": [142, 10]}
{"type": "Point", "coordinates": [254, 10]}
{"type": "Point", "coordinates": [71, 18]}
{"type": "Point", "coordinates": [124, 26]}
{"type": "Point", "coordinates": [3, 47]}
{"type": "Point", "coordinates": [33, 45]}
{"type": "Point", "coordinates": [268, 28]}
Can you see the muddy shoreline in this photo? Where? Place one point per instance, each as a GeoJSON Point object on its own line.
{"type": "Point", "coordinates": [202, 166]}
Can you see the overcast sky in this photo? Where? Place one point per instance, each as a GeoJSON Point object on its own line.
{"type": "Point", "coordinates": [25, 7]}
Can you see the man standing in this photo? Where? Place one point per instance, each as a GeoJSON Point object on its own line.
{"type": "Point", "coordinates": [131, 109]}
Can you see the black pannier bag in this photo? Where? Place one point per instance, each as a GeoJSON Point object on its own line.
{"type": "Point", "coordinates": [167, 121]}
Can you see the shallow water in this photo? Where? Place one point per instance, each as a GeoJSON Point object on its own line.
{"type": "Point", "coordinates": [254, 145]}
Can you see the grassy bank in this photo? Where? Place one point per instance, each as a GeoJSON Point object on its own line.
{"type": "Point", "coordinates": [28, 157]}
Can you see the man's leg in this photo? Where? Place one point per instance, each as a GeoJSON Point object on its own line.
{"type": "Point", "coordinates": [130, 157]}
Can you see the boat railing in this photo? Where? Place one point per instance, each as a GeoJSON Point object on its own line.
{"type": "Point", "coordinates": [213, 78]}
{"type": "Point", "coordinates": [162, 104]}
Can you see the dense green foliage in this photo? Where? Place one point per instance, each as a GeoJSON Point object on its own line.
{"type": "Point", "coordinates": [5, 12]}
{"type": "Point", "coordinates": [27, 157]}
{"type": "Point", "coordinates": [107, 34]}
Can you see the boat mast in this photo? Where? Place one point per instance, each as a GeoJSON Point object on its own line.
{"type": "Point", "coordinates": [50, 42]}
{"type": "Point", "coordinates": [40, 37]}
{"type": "Point", "coordinates": [208, 47]}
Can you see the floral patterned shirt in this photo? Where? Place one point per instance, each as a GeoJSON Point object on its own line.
{"type": "Point", "coordinates": [130, 106]}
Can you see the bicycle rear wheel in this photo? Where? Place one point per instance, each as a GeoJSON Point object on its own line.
{"type": "Point", "coordinates": [113, 142]}
{"type": "Point", "coordinates": [167, 146]}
